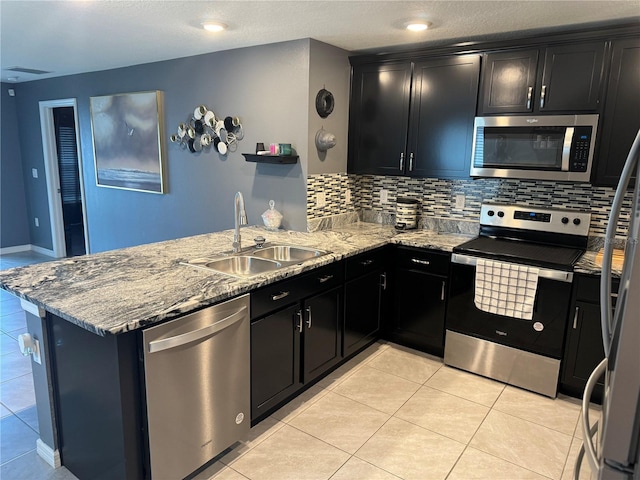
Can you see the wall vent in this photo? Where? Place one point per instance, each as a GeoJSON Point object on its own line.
{"type": "Point", "coordinates": [32, 71]}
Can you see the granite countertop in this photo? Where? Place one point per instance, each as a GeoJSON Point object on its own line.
{"type": "Point", "coordinates": [588, 265]}
{"type": "Point", "coordinates": [122, 290]}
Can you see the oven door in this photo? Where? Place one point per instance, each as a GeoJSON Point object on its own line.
{"type": "Point", "coordinates": [543, 335]}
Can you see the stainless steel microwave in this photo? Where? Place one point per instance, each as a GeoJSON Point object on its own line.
{"type": "Point", "coordinates": [544, 147]}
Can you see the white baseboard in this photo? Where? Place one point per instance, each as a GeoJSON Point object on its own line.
{"type": "Point", "coordinates": [48, 454]}
{"type": "Point", "coordinates": [43, 251]}
{"type": "Point", "coordinates": [15, 249]}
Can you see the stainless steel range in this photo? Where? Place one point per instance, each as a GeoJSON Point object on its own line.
{"type": "Point", "coordinates": [510, 293]}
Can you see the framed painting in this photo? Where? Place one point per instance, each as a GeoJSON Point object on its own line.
{"type": "Point", "coordinates": [128, 141]}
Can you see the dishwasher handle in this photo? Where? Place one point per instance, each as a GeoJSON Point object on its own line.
{"type": "Point", "coordinates": [178, 340]}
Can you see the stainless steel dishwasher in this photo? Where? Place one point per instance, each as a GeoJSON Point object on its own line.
{"type": "Point", "coordinates": [197, 385]}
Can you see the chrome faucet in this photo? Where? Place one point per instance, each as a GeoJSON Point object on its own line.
{"type": "Point", "coordinates": [240, 216]}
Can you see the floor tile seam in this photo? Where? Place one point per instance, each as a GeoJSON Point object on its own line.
{"type": "Point", "coordinates": [535, 423]}
{"type": "Point", "coordinates": [468, 446]}
{"type": "Point", "coordinates": [30, 427]}
{"type": "Point", "coordinates": [302, 408]}
{"type": "Point", "coordinates": [456, 462]}
{"type": "Point", "coordinates": [222, 460]}
{"type": "Point", "coordinates": [366, 405]}
{"type": "Point", "coordinates": [465, 443]}
{"type": "Point", "coordinates": [461, 397]}
{"type": "Point", "coordinates": [397, 376]}
{"type": "Point", "coordinates": [324, 441]}
{"type": "Point", "coordinates": [30, 374]}
{"type": "Point", "coordinates": [16, 458]}
{"type": "Point", "coordinates": [368, 463]}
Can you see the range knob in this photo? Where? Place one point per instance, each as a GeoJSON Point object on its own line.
{"type": "Point", "coordinates": [576, 221]}
{"type": "Point", "coordinates": [501, 214]}
{"type": "Point", "coordinates": [491, 213]}
{"type": "Point", "coordinates": [565, 220]}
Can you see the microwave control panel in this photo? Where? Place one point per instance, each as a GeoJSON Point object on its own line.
{"type": "Point", "coordinates": [580, 146]}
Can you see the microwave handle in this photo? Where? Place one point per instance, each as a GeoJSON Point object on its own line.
{"type": "Point", "coordinates": [566, 148]}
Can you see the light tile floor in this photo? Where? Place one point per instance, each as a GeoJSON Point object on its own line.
{"type": "Point", "coordinates": [392, 412]}
{"type": "Point", "coordinates": [19, 421]}
{"type": "Point", "coordinates": [388, 413]}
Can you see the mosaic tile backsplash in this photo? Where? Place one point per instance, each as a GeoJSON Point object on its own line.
{"type": "Point", "coordinates": [346, 193]}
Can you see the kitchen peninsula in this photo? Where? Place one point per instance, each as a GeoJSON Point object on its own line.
{"type": "Point", "coordinates": [97, 306]}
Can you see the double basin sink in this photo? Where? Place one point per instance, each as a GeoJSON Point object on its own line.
{"type": "Point", "coordinates": [259, 260]}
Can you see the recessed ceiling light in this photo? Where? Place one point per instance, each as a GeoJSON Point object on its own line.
{"type": "Point", "coordinates": [214, 26]}
{"type": "Point", "coordinates": [418, 26]}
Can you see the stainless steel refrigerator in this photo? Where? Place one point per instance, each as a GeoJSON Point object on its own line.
{"type": "Point", "coordinates": [612, 445]}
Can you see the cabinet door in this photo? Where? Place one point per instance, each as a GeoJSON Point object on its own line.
{"type": "Point", "coordinates": [420, 310]}
{"type": "Point", "coordinates": [361, 311]}
{"type": "Point", "coordinates": [275, 359]}
{"type": "Point", "coordinates": [571, 78]}
{"type": "Point", "coordinates": [443, 109]}
{"type": "Point", "coordinates": [583, 351]}
{"type": "Point", "coordinates": [379, 118]}
{"type": "Point", "coordinates": [508, 82]}
{"type": "Point", "coordinates": [321, 337]}
{"type": "Point", "coordinates": [621, 119]}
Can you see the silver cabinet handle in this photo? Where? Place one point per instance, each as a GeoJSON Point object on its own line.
{"type": "Point", "coordinates": [442, 292]}
{"type": "Point", "coordinates": [383, 281]}
{"type": "Point", "coordinates": [575, 318]}
{"type": "Point", "coordinates": [308, 317]}
{"type": "Point", "coordinates": [299, 326]}
{"type": "Point", "coordinates": [279, 296]}
{"type": "Point", "coordinates": [529, 92]}
{"type": "Point", "coordinates": [543, 93]}
{"type": "Point", "coordinates": [402, 162]}
{"type": "Point", "coordinates": [411, 162]}
{"type": "Point", "coordinates": [421, 262]}
{"type": "Point", "coordinates": [326, 278]}
{"type": "Point", "coordinates": [366, 263]}
{"type": "Point", "coordinates": [178, 340]}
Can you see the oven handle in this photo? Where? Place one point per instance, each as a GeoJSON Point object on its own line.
{"type": "Point", "coordinates": [557, 275]}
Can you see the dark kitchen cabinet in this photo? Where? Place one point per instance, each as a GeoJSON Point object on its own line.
{"type": "Point", "coordinates": [420, 294]}
{"type": "Point", "coordinates": [621, 117]}
{"type": "Point", "coordinates": [379, 116]}
{"type": "Point", "coordinates": [366, 283]}
{"type": "Point", "coordinates": [414, 118]}
{"type": "Point", "coordinates": [296, 335]}
{"type": "Point", "coordinates": [583, 344]}
{"type": "Point", "coordinates": [443, 107]}
{"type": "Point", "coordinates": [562, 78]}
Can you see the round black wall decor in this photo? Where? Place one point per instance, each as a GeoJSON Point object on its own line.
{"type": "Point", "coordinates": [324, 103]}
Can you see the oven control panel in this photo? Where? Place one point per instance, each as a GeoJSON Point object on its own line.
{"type": "Point", "coordinates": [524, 217]}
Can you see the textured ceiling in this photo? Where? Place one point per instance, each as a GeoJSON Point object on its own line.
{"type": "Point", "coordinates": [67, 37]}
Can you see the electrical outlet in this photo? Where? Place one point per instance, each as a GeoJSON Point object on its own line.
{"type": "Point", "coordinates": [34, 172]}
{"type": "Point", "coordinates": [37, 221]}
{"type": "Point", "coordinates": [384, 196]}
{"type": "Point", "coordinates": [321, 199]}
{"type": "Point", "coordinates": [460, 199]}
{"type": "Point", "coordinates": [347, 196]}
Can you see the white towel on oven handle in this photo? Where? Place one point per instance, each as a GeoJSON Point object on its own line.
{"type": "Point", "coordinates": [505, 288]}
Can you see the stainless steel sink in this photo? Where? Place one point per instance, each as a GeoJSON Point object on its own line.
{"type": "Point", "coordinates": [238, 265]}
{"type": "Point", "coordinates": [257, 261]}
{"type": "Point", "coordinates": [288, 253]}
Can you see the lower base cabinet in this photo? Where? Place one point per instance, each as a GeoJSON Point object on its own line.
{"type": "Point", "coordinates": [583, 344]}
{"type": "Point", "coordinates": [420, 294]}
{"type": "Point", "coordinates": [366, 283]}
{"type": "Point", "coordinates": [296, 336]}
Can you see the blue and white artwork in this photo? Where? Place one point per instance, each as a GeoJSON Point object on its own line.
{"type": "Point", "coordinates": [127, 141]}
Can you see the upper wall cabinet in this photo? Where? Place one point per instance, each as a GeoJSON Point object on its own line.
{"type": "Point", "coordinates": [564, 78]}
{"type": "Point", "coordinates": [414, 119]}
{"type": "Point", "coordinates": [379, 116]}
{"type": "Point", "coordinates": [621, 115]}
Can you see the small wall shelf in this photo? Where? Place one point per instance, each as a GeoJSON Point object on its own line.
{"type": "Point", "coordinates": [252, 157]}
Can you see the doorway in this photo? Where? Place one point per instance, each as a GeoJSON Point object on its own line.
{"type": "Point", "coordinates": [63, 169]}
